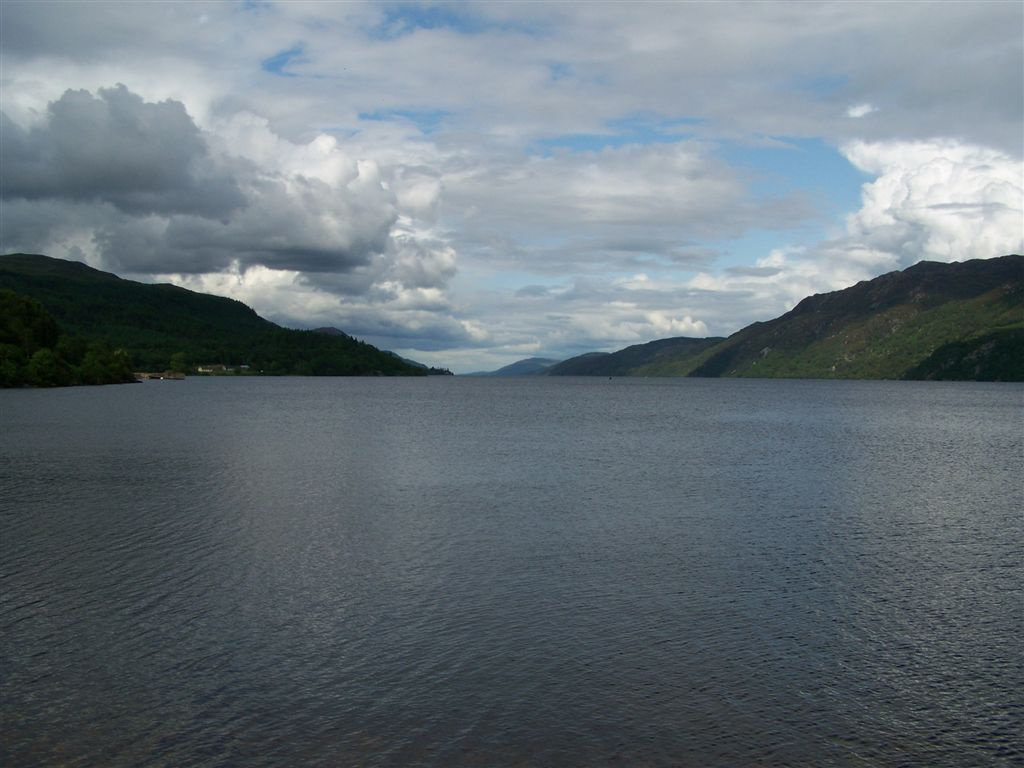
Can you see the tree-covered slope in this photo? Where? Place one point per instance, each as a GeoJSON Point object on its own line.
{"type": "Point", "coordinates": [993, 356]}
{"type": "Point", "coordinates": [152, 323]}
{"type": "Point", "coordinates": [890, 328]}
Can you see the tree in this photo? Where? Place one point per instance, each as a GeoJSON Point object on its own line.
{"type": "Point", "coordinates": [12, 366]}
{"type": "Point", "coordinates": [43, 370]}
{"type": "Point", "coordinates": [101, 365]}
{"type": "Point", "coordinates": [25, 324]}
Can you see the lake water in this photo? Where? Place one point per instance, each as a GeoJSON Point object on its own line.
{"type": "Point", "coordinates": [557, 572]}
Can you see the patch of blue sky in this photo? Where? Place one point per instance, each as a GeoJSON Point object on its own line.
{"type": "Point", "coordinates": [810, 167]}
{"type": "Point", "coordinates": [427, 120]}
{"type": "Point", "coordinates": [755, 244]}
{"type": "Point", "coordinates": [399, 19]}
{"type": "Point", "coordinates": [278, 63]}
{"type": "Point", "coordinates": [559, 70]}
{"type": "Point", "coordinates": [641, 130]}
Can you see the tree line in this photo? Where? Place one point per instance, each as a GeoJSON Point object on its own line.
{"type": "Point", "coordinates": [35, 352]}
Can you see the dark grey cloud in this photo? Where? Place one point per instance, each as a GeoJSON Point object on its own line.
{"type": "Point", "coordinates": [140, 181]}
{"type": "Point", "coordinates": [30, 30]}
{"type": "Point", "coordinates": [114, 147]}
{"type": "Point", "coordinates": [296, 224]}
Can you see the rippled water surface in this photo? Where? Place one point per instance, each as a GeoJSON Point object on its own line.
{"type": "Point", "coordinates": [563, 572]}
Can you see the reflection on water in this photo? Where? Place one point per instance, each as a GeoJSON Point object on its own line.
{"type": "Point", "coordinates": [481, 572]}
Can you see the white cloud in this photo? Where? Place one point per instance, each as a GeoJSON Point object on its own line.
{"type": "Point", "coordinates": [942, 200]}
{"type": "Point", "coordinates": [247, 135]}
{"type": "Point", "coordinates": [664, 324]}
{"type": "Point", "coordinates": [861, 110]}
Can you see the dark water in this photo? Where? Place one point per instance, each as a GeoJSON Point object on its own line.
{"type": "Point", "coordinates": [570, 572]}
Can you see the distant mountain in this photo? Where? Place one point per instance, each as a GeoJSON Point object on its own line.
{"type": "Point", "coordinates": [153, 323]}
{"type": "Point", "coordinates": [933, 320]}
{"type": "Point", "coordinates": [664, 357]}
{"type": "Point", "coordinates": [531, 366]}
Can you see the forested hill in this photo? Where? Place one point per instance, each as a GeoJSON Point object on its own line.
{"type": "Point", "coordinates": [155, 323]}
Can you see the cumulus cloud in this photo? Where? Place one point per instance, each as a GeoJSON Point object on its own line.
{"type": "Point", "coordinates": [668, 325]}
{"type": "Point", "coordinates": [164, 193]}
{"type": "Point", "coordinates": [942, 200]}
{"type": "Point", "coordinates": [420, 262]}
{"type": "Point", "coordinates": [114, 147]}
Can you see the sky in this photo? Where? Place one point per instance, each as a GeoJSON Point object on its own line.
{"type": "Point", "coordinates": [470, 184]}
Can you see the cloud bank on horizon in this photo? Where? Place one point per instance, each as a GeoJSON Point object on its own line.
{"type": "Point", "coordinates": [469, 184]}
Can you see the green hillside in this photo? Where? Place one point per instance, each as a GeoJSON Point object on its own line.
{"type": "Point", "coordinates": [153, 323]}
{"type": "Point", "coordinates": [890, 327]}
